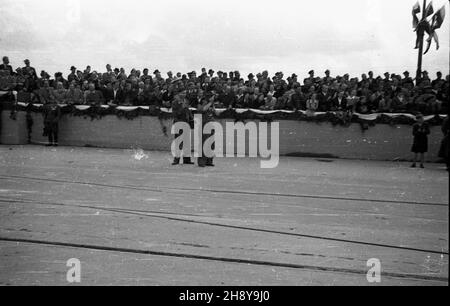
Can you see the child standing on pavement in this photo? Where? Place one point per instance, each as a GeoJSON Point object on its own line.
{"type": "Point", "coordinates": [421, 131]}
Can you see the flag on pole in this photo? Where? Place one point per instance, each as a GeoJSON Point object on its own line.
{"type": "Point", "coordinates": [438, 18]}
{"type": "Point", "coordinates": [436, 23]}
{"type": "Point", "coordinates": [429, 40]}
{"type": "Point", "coordinates": [415, 11]}
{"type": "Point", "coordinates": [429, 10]}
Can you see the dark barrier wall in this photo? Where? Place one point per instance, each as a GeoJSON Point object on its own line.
{"type": "Point", "coordinates": [379, 142]}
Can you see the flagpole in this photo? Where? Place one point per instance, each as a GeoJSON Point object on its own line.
{"type": "Point", "coordinates": [421, 36]}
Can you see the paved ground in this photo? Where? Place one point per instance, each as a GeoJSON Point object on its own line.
{"type": "Point", "coordinates": [144, 222]}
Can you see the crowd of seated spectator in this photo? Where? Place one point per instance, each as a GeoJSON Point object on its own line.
{"type": "Point", "coordinates": [368, 94]}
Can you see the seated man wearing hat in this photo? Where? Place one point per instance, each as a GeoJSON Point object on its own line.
{"type": "Point", "coordinates": [407, 80]}
{"type": "Point", "coordinates": [310, 80]}
{"type": "Point", "coordinates": [159, 80]}
{"type": "Point", "coordinates": [211, 73]}
{"type": "Point", "coordinates": [73, 75]}
{"type": "Point", "coordinates": [327, 79]}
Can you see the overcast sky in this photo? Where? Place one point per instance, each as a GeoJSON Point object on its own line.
{"type": "Point", "coordinates": [352, 36]}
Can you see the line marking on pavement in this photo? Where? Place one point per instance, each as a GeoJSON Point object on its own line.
{"type": "Point", "coordinates": [161, 189]}
{"type": "Point", "coordinates": [225, 259]}
{"type": "Point", "coordinates": [151, 214]}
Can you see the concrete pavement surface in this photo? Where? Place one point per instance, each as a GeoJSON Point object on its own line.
{"type": "Point", "coordinates": [133, 219]}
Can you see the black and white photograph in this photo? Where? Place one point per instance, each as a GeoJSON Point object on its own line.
{"type": "Point", "coordinates": [224, 148]}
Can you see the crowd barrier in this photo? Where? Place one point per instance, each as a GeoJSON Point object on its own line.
{"type": "Point", "coordinates": [297, 137]}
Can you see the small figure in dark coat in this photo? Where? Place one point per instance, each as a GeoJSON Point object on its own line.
{"type": "Point", "coordinates": [52, 115]}
{"type": "Point", "coordinates": [421, 130]}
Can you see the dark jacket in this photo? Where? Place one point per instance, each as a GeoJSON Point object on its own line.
{"type": "Point", "coordinates": [298, 101]}
{"type": "Point", "coordinates": [335, 105]}
{"type": "Point", "coordinates": [325, 101]}
{"type": "Point", "coordinates": [7, 68]}
{"type": "Point", "coordinates": [228, 99]}
{"type": "Point", "coordinates": [94, 98]}
{"type": "Point", "coordinates": [52, 113]}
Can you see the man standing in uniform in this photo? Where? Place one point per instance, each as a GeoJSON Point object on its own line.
{"type": "Point", "coordinates": [206, 109]}
{"type": "Point", "coordinates": [182, 113]}
{"type": "Point", "coordinates": [52, 114]}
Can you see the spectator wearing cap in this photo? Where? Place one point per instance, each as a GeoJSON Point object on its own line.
{"type": "Point", "coordinates": [29, 71]}
{"type": "Point", "coordinates": [58, 78]}
{"type": "Point", "coordinates": [310, 80]}
{"type": "Point", "coordinates": [73, 75]}
{"type": "Point", "coordinates": [192, 76]}
{"type": "Point", "coordinates": [327, 79]}
{"type": "Point", "coordinates": [203, 75]}
{"type": "Point", "coordinates": [407, 80]}
{"type": "Point", "coordinates": [438, 82]}
{"type": "Point", "coordinates": [158, 79]}
{"type": "Point", "coordinates": [280, 85]}
{"type": "Point", "coordinates": [250, 80]}
{"type": "Point", "coordinates": [109, 75]}
{"type": "Point", "coordinates": [87, 73]}
{"type": "Point", "coordinates": [44, 76]}
{"type": "Point", "coordinates": [145, 76]}
{"type": "Point", "coordinates": [6, 66]}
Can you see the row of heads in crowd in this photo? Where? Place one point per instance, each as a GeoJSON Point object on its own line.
{"type": "Point", "coordinates": [232, 77]}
